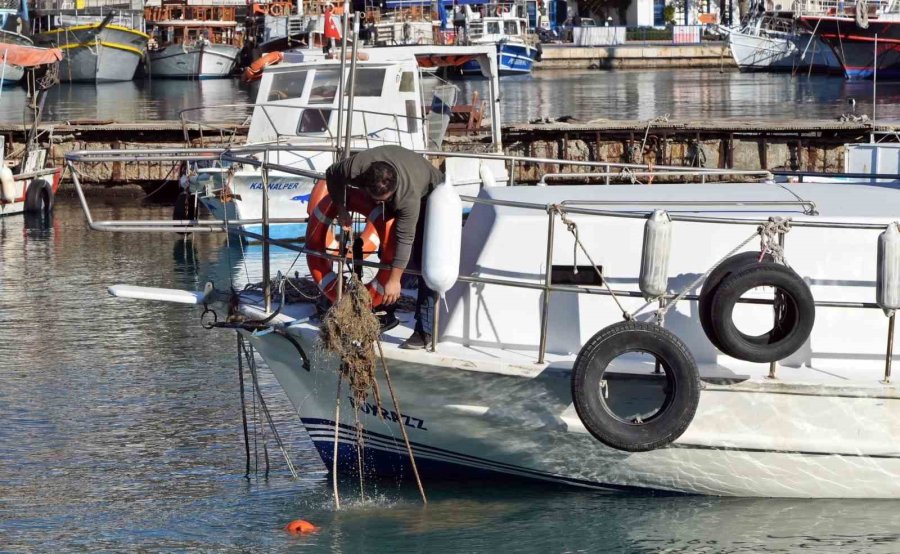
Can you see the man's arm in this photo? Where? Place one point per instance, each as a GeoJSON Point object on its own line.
{"type": "Point", "coordinates": [337, 179]}
{"type": "Point", "coordinates": [407, 217]}
{"type": "Point", "coordinates": [405, 230]}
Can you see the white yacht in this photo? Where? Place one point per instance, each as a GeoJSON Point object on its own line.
{"type": "Point", "coordinates": [768, 42]}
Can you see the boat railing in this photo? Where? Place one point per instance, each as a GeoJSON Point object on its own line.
{"type": "Point", "coordinates": [377, 127]}
{"type": "Point", "coordinates": [81, 5]}
{"type": "Point", "coordinates": [843, 8]}
{"type": "Point", "coordinates": [553, 210]}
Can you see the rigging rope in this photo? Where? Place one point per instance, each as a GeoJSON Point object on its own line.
{"type": "Point", "coordinates": [768, 234]}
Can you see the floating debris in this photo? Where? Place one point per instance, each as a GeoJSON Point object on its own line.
{"type": "Point", "coordinates": [300, 527]}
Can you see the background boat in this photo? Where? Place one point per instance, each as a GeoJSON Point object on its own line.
{"type": "Point", "coordinates": [103, 42]}
{"type": "Point", "coordinates": [11, 74]}
{"type": "Point", "coordinates": [851, 30]}
{"type": "Point", "coordinates": [193, 42]}
{"type": "Point", "coordinates": [773, 43]}
{"type": "Point", "coordinates": [514, 55]}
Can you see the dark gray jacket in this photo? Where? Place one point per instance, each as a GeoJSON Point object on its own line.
{"type": "Point", "coordinates": [416, 178]}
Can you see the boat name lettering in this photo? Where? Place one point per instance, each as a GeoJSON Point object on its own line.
{"type": "Point", "coordinates": [257, 185]}
{"type": "Point", "coordinates": [372, 409]}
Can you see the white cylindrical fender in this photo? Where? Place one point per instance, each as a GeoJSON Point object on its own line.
{"type": "Point", "coordinates": [486, 175]}
{"type": "Point", "coordinates": [443, 239]}
{"type": "Point", "coordinates": [654, 277]}
{"type": "Point", "coordinates": [887, 280]}
{"type": "Point", "coordinates": [7, 184]}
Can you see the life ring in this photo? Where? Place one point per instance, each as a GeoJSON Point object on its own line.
{"type": "Point", "coordinates": [254, 70]}
{"type": "Point", "coordinates": [377, 236]}
{"type": "Point", "coordinates": [794, 322]}
{"type": "Point", "coordinates": [721, 271]}
{"type": "Point", "coordinates": [276, 10]}
{"type": "Point", "coordinates": [592, 388]}
{"type": "Point", "coordinates": [39, 198]}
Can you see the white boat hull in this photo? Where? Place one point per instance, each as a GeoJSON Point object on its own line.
{"type": "Point", "coordinates": [210, 61]}
{"type": "Point", "coordinates": [781, 52]}
{"type": "Point", "coordinates": [754, 438]}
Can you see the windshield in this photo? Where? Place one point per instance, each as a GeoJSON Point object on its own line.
{"type": "Point", "coordinates": [287, 85]}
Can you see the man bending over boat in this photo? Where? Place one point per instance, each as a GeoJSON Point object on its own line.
{"type": "Point", "coordinates": [402, 180]}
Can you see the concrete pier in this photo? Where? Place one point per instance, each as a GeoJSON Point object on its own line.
{"type": "Point", "coordinates": [809, 145]}
{"type": "Point", "coordinates": [641, 55]}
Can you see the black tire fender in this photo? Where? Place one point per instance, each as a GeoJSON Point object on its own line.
{"type": "Point", "coordinates": [39, 197]}
{"type": "Point", "coordinates": [682, 388]}
{"type": "Point", "coordinates": [714, 279]}
{"type": "Point", "coordinates": [795, 320]}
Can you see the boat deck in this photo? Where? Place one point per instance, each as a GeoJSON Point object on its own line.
{"type": "Point", "coordinates": [301, 319]}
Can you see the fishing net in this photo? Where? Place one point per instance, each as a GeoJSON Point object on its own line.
{"type": "Point", "coordinates": [349, 330]}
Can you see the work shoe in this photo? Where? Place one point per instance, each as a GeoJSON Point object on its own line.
{"type": "Point", "coordinates": [417, 341]}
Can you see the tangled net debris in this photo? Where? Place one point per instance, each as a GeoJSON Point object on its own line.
{"type": "Point", "coordinates": [349, 330]}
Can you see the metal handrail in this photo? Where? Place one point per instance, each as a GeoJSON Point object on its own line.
{"type": "Point", "coordinates": [864, 176]}
{"type": "Point", "coordinates": [547, 286]}
{"type": "Point", "coordinates": [651, 173]}
{"type": "Point", "coordinates": [421, 119]}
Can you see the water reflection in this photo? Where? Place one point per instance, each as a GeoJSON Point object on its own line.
{"type": "Point", "coordinates": [683, 94]}
{"type": "Point", "coordinates": [139, 100]}
{"type": "Point", "coordinates": [582, 94]}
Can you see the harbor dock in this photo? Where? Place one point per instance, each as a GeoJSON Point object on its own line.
{"type": "Point", "coordinates": [805, 145]}
{"type": "Point", "coordinates": [636, 56]}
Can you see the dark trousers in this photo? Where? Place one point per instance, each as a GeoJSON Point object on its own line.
{"type": "Point", "coordinates": [425, 298]}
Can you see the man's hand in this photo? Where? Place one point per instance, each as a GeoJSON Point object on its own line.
{"type": "Point", "coordinates": [344, 218]}
{"type": "Point", "coordinates": [391, 291]}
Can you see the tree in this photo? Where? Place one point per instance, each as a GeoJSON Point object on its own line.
{"type": "Point", "coordinates": [669, 14]}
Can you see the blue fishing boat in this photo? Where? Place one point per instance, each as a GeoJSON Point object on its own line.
{"type": "Point", "coordinates": [514, 55]}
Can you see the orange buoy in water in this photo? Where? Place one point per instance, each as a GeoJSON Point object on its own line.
{"type": "Point", "coordinates": [301, 527]}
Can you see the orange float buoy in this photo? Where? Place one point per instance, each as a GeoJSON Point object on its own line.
{"type": "Point", "coordinates": [255, 70]}
{"type": "Point", "coordinates": [300, 527]}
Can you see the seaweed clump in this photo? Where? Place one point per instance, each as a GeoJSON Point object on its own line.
{"type": "Point", "coordinates": [349, 330]}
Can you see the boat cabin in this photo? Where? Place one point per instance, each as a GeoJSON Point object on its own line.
{"type": "Point", "coordinates": [299, 101]}
{"type": "Point", "coordinates": [497, 29]}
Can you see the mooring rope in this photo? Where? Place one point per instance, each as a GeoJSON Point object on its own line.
{"type": "Point", "coordinates": [264, 408]}
{"type": "Point", "coordinates": [412, 458]}
{"type": "Point", "coordinates": [573, 228]}
{"type": "Point", "coordinates": [334, 457]}
{"type": "Point", "coordinates": [243, 402]}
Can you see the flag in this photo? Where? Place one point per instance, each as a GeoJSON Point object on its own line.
{"type": "Point", "coordinates": [331, 30]}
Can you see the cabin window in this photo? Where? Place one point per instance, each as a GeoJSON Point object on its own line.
{"type": "Point", "coordinates": [314, 121]}
{"type": "Point", "coordinates": [407, 82]}
{"type": "Point", "coordinates": [369, 82]}
{"type": "Point", "coordinates": [566, 275]}
{"type": "Point", "coordinates": [324, 86]}
{"type": "Point", "coordinates": [510, 28]}
{"type": "Point", "coordinates": [286, 85]}
{"type": "Point", "coordinates": [412, 117]}
{"type": "Point", "coordinates": [493, 27]}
